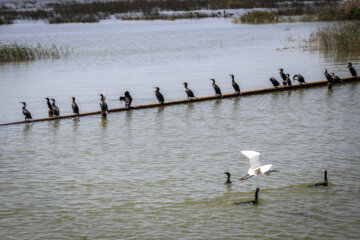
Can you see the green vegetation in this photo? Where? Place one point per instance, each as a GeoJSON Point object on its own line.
{"type": "Point", "coordinates": [349, 10]}
{"type": "Point", "coordinates": [258, 17]}
{"type": "Point", "coordinates": [16, 53]}
{"type": "Point", "coordinates": [342, 36]}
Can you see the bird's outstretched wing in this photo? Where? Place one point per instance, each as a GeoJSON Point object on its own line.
{"type": "Point", "coordinates": [254, 157]}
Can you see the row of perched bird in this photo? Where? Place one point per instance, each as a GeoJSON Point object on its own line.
{"type": "Point", "coordinates": [55, 112]}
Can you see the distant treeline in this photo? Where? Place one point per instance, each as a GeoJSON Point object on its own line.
{"type": "Point", "coordinates": [95, 10]}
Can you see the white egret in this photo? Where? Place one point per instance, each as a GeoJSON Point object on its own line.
{"type": "Point", "coordinates": [256, 165]}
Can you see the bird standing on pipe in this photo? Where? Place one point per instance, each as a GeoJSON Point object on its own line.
{"type": "Point", "coordinates": [159, 96]}
{"type": "Point", "coordinates": [329, 79]}
{"type": "Point", "coordinates": [298, 77]}
{"type": "Point", "coordinates": [274, 82]}
{"type": "Point", "coordinates": [55, 109]}
{"type": "Point", "coordinates": [127, 98]}
{"type": "Point", "coordinates": [103, 105]}
{"type": "Point", "coordinates": [352, 70]}
{"type": "Point", "coordinates": [234, 84]}
{"type": "Point", "coordinates": [26, 112]}
{"type": "Point", "coordinates": [50, 111]}
{"type": "Point", "coordinates": [216, 88]}
{"type": "Point", "coordinates": [75, 107]}
{"type": "Point", "coordinates": [188, 91]}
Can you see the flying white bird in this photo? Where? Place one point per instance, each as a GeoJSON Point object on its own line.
{"type": "Point", "coordinates": [256, 165]}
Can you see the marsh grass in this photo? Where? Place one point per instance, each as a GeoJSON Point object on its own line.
{"type": "Point", "coordinates": [17, 53]}
{"type": "Point", "coordinates": [258, 17]}
{"type": "Point", "coordinates": [349, 10]}
{"type": "Point", "coordinates": [341, 36]}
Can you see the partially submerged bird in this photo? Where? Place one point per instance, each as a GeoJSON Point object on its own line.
{"type": "Point", "coordinates": [216, 87]}
{"type": "Point", "coordinates": [324, 183]}
{"type": "Point", "coordinates": [298, 77]}
{"type": "Point", "coordinates": [256, 166]}
{"type": "Point", "coordinates": [26, 112]}
{"type": "Point", "coordinates": [228, 178]}
{"type": "Point", "coordinates": [189, 93]}
{"type": "Point", "coordinates": [274, 82]}
{"type": "Point", "coordinates": [55, 109]}
{"type": "Point", "coordinates": [50, 111]}
{"type": "Point", "coordinates": [159, 96]}
{"type": "Point", "coordinates": [255, 201]}
{"type": "Point", "coordinates": [282, 74]}
{"type": "Point", "coordinates": [352, 70]}
{"type": "Point", "coordinates": [335, 78]}
{"type": "Point", "coordinates": [103, 105]}
{"type": "Point", "coordinates": [234, 84]}
{"type": "Point", "coordinates": [127, 98]}
{"type": "Point", "coordinates": [75, 106]}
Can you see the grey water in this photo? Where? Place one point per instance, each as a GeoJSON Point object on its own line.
{"type": "Point", "coordinates": [159, 173]}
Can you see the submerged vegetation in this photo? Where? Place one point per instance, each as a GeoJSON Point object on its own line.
{"type": "Point", "coordinates": [16, 52]}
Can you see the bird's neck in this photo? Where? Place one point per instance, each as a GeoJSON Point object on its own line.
{"type": "Point", "coordinates": [325, 176]}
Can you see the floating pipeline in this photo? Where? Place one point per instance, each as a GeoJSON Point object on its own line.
{"type": "Point", "coordinates": [199, 99]}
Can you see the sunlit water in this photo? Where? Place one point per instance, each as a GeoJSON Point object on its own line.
{"type": "Point", "coordinates": [158, 173]}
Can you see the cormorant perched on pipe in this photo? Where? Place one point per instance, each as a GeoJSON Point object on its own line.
{"type": "Point", "coordinates": [298, 77]}
{"type": "Point", "coordinates": [189, 93]}
{"type": "Point", "coordinates": [75, 107]}
{"type": "Point", "coordinates": [159, 96]}
{"type": "Point", "coordinates": [329, 79]}
{"type": "Point", "coordinates": [26, 112]}
{"type": "Point", "coordinates": [55, 109]}
{"type": "Point", "coordinates": [103, 105]}
{"type": "Point", "coordinates": [324, 184]}
{"type": "Point", "coordinates": [255, 201]}
{"type": "Point", "coordinates": [234, 84]}
{"type": "Point", "coordinates": [282, 74]}
{"type": "Point", "coordinates": [288, 81]}
{"type": "Point", "coordinates": [216, 87]}
{"type": "Point", "coordinates": [50, 111]}
{"type": "Point", "coordinates": [335, 78]}
{"type": "Point", "coordinates": [228, 178]}
{"type": "Point", "coordinates": [352, 70]}
{"type": "Point", "coordinates": [274, 82]}
{"type": "Point", "coordinates": [127, 98]}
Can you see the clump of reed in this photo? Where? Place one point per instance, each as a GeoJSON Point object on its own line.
{"type": "Point", "coordinates": [349, 10]}
{"type": "Point", "coordinates": [74, 19]}
{"type": "Point", "coordinates": [341, 36]}
{"type": "Point", "coordinates": [258, 17]}
{"type": "Point", "coordinates": [17, 52]}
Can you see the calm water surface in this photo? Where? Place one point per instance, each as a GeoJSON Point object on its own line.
{"type": "Point", "coordinates": [158, 173]}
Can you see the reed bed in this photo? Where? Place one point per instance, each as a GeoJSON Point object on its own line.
{"type": "Point", "coordinates": [17, 53]}
{"type": "Point", "coordinates": [341, 36]}
{"type": "Point", "coordinates": [349, 10]}
{"type": "Point", "coordinates": [258, 17]}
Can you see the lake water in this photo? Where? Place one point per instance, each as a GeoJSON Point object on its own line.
{"type": "Point", "coordinates": [159, 173]}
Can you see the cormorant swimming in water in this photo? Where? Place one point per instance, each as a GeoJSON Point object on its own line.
{"type": "Point", "coordinates": [324, 184]}
{"type": "Point", "coordinates": [274, 82]}
{"type": "Point", "coordinates": [329, 79]}
{"type": "Point", "coordinates": [288, 81]}
{"type": "Point", "coordinates": [335, 78]}
{"type": "Point", "coordinates": [216, 87]}
{"type": "Point", "coordinates": [159, 96]}
{"type": "Point", "coordinates": [255, 201]}
{"type": "Point", "coordinates": [127, 98]}
{"type": "Point", "coordinates": [282, 74]}
{"type": "Point", "coordinates": [55, 109]}
{"type": "Point", "coordinates": [103, 105]}
{"type": "Point", "coordinates": [298, 77]}
{"type": "Point", "coordinates": [26, 112]}
{"type": "Point", "coordinates": [50, 111]}
{"type": "Point", "coordinates": [75, 106]}
{"type": "Point", "coordinates": [189, 93]}
{"type": "Point", "coordinates": [352, 70]}
{"type": "Point", "coordinates": [234, 84]}
{"type": "Point", "coordinates": [228, 178]}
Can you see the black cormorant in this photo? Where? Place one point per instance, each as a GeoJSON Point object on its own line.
{"type": "Point", "coordinates": [55, 109]}
{"type": "Point", "coordinates": [335, 78]}
{"type": "Point", "coordinates": [255, 201]}
{"type": "Point", "coordinates": [282, 74]}
{"type": "Point", "coordinates": [189, 93]}
{"type": "Point", "coordinates": [274, 82]}
{"type": "Point", "coordinates": [216, 87]}
{"type": "Point", "coordinates": [352, 70]}
{"type": "Point", "coordinates": [50, 111]}
{"type": "Point", "coordinates": [127, 98]}
{"type": "Point", "coordinates": [288, 81]}
{"type": "Point", "coordinates": [298, 77]}
{"type": "Point", "coordinates": [159, 96]}
{"type": "Point", "coordinates": [103, 105]}
{"type": "Point", "coordinates": [26, 112]}
{"type": "Point", "coordinates": [234, 84]}
{"type": "Point", "coordinates": [329, 79]}
{"type": "Point", "coordinates": [228, 178]}
{"type": "Point", "coordinates": [75, 106]}
{"type": "Point", "coordinates": [324, 184]}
